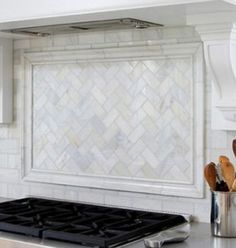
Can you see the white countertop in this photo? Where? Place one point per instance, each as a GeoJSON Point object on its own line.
{"type": "Point", "coordinates": [200, 237]}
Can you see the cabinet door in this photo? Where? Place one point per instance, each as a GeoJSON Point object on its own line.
{"type": "Point", "coordinates": [6, 78]}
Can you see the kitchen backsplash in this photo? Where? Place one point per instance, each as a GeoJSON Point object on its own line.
{"type": "Point", "coordinates": [11, 150]}
{"type": "Point", "coordinates": [116, 118]}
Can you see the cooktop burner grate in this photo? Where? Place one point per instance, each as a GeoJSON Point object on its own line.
{"type": "Point", "coordinates": [81, 223]}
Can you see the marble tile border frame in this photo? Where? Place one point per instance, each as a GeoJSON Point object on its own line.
{"type": "Point", "coordinates": [193, 188]}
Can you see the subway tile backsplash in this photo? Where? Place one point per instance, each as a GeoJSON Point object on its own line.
{"type": "Point", "coordinates": [11, 184]}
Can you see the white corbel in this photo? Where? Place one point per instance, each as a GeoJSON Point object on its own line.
{"type": "Point", "coordinates": [219, 41]}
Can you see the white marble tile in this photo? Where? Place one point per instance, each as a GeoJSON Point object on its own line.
{"type": "Point", "coordinates": [219, 139]}
{"type": "Point", "coordinates": [91, 196]}
{"type": "Point", "coordinates": [145, 203]}
{"type": "Point", "coordinates": [91, 38]}
{"type": "Point", "coordinates": [63, 40]}
{"type": "Point", "coordinates": [21, 44]}
{"type": "Point", "coordinates": [9, 146]}
{"type": "Point", "coordinates": [37, 43]}
{"type": "Point", "coordinates": [148, 34]}
{"type": "Point", "coordinates": [177, 207]}
{"type": "Point", "coordinates": [121, 201]}
{"type": "Point", "coordinates": [4, 160]}
{"type": "Point", "coordinates": [118, 36]}
{"type": "Point", "coordinates": [203, 210]}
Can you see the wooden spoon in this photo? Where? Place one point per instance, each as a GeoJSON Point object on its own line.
{"type": "Point", "coordinates": [228, 173]}
{"type": "Point", "coordinates": [210, 175]}
{"type": "Point", "coordinates": [233, 187]}
{"type": "Point", "coordinates": [223, 158]}
{"type": "Point", "coordinates": [234, 147]}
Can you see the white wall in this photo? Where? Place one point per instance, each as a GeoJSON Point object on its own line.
{"type": "Point", "coordinates": [11, 185]}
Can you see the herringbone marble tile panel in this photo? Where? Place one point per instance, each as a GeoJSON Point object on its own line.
{"type": "Point", "coordinates": [125, 119]}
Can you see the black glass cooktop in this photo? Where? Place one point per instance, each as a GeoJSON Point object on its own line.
{"type": "Point", "coordinates": [81, 223]}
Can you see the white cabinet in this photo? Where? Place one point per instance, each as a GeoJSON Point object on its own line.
{"type": "Point", "coordinates": [6, 78]}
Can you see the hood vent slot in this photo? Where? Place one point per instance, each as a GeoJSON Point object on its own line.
{"type": "Point", "coordinates": [125, 23]}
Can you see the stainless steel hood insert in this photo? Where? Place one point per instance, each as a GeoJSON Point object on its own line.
{"type": "Point", "coordinates": [42, 31]}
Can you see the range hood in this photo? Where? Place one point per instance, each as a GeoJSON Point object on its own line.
{"type": "Point", "coordinates": [114, 24]}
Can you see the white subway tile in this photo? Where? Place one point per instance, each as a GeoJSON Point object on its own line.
{"type": "Point", "coordinates": [116, 200]}
{"type": "Point", "coordinates": [147, 203]}
{"type": "Point", "coordinates": [178, 207]}
{"type": "Point", "coordinates": [9, 146]}
{"type": "Point", "coordinates": [91, 38]}
{"type": "Point", "coordinates": [22, 44]}
{"type": "Point", "coordinates": [90, 196]}
{"type": "Point", "coordinates": [218, 139]}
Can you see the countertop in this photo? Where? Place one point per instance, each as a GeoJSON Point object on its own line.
{"type": "Point", "coordinates": [200, 237]}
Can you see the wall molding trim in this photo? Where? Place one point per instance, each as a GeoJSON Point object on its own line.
{"type": "Point", "coordinates": [192, 188]}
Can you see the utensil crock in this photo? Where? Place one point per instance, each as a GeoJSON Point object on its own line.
{"type": "Point", "coordinates": [223, 214]}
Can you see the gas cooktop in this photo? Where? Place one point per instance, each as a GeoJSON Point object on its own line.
{"type": "Point", "coordinates": [85, 224]}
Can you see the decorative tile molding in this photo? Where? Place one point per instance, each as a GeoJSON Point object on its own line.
{"type": "Point", "coordinates": [182, 69]}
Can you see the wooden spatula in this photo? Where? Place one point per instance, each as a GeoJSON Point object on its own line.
{"type": "Point", "coordinates": [228, 173]}
{"type": "Point", "coordinates": [234, 147]}
{"type": "Point", "coordinates": [210, 175]}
